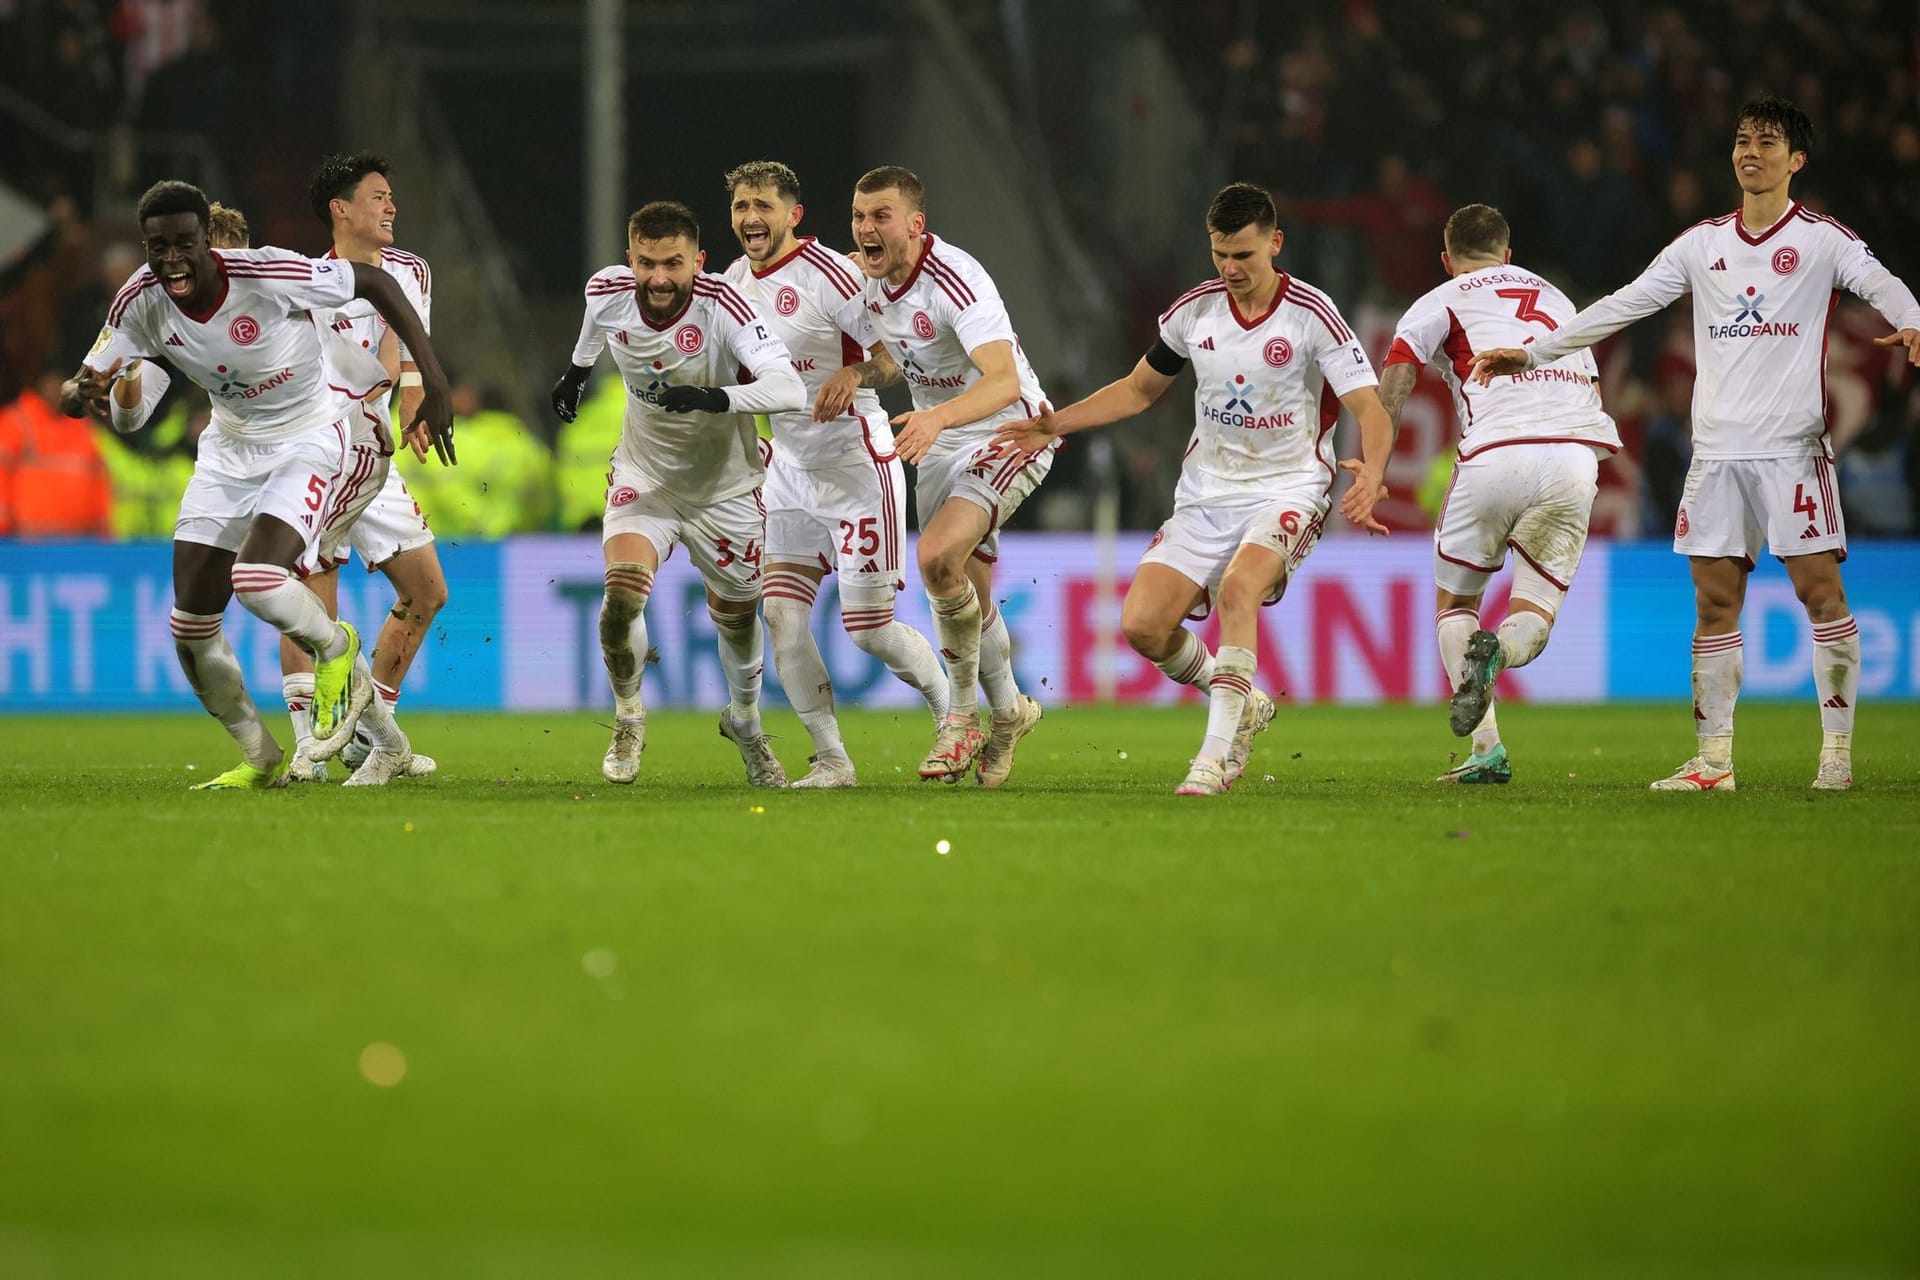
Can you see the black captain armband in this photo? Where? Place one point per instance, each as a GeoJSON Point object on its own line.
{"type": "Point", "coordinates": [1164, 359]}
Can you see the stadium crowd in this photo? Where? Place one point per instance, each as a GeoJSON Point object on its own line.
{"type": "Point", "coordinates": [1600, 131]}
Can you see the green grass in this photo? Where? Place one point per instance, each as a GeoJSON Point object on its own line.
{"type": "Point", "coordinates": [1342, 1023]}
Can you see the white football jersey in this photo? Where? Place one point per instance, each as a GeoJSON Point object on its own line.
{"type": "Point", "coordinates": [715, 340]}
{"type": "Point", "coordinates": [800, 297]}
{"type": "Point", "coordinates": [352, 335]}
{"type": "Point", "coordinates": [1761, 304]}
{"type": "Point", "coordinates": [1505, 306]}
{"type": "Point", "coordinates": [1267, 392]}
{"type": "Point", "coordinates": [256, 352]}
{"type": "Point", "coordinates": [947, 308]}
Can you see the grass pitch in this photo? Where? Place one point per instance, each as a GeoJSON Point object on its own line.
{"type": "Point", "coordinates": [516, 1022]}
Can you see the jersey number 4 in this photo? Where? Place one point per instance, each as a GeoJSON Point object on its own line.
{"type": "Point", "coordinates": [1526, 306]}
{"type": "Point", "coordinates": [1803, 503]}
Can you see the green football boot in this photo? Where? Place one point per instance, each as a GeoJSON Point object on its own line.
{"type": "Point", "coordinates": [1491, 767]}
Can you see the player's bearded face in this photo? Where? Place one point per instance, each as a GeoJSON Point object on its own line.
{"type": "Point", "coordinates": [177, 252]}
{"type": "Point", "coordinates": [663, 272]}
{"type": "Point", "coordinates": [763, 222]}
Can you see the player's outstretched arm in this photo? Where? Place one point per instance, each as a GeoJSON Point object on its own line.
{"type": "Point", "coordinates": [998, 387]}
{"type": "Point", "coordinates": [1908, 338]}
{"type": "Point", "coordinates": [1370, 469]}
{"type": "Point", "coordinates": [878, 370]}
{"type": "Point", "coordinates": [436, 401]}
{"type": "Point", "coordinates": [1396, 384]}
{"type": "Point", "coordinates": [1496, 362]}
{"type": "Point", "coordinates": [569, 391]}
{"type": "Point", "coordinates": [1120, 399]}
{"type": "Point", "coordinates": [86, 393]}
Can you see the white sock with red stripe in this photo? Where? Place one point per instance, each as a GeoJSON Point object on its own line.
{"type": "Point", "coordinates": [1718, 663]}
{"type": "Point", "coordinates": [1232, 681]}
{"type": "Point", "coordinates": [870, 624]}
{"type": "Point", "coordinates": [996, 661]}
{"type": "Point", "coordinates": [215, 676]}
{"type": "Point", "coordinates": [956, 621]}
{"type": "Point", "coordinates": [1523, 636]}
{"type": "Point", "coordinates": [787, 600]}
{"type": "Point", "coordinates": [273, 595]}
{"type": "Point", "coordinates": [1190, 663]}
{"type": "Point", "coordinates": [297, 689]}
{"type": "Point", "coordinates": [743, 652]}
{"type": "Point", "coordinates": [1455, 627]}
{"type": "Point", "coordinates": [623, 634]}
{"type": "Point", "coordinates": [1836, 679]}
{"type": "Point", "coordinates": [382, 728]}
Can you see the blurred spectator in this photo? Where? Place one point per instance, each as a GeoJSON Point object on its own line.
{"type": "Point", "coordinates": [1401, 217]}
{"type": "Point", "coordinates": [85, 308]}
{"type": "Point", "coordinates": [149, 469]}
{"type": "Point", "coordinates": [585, 449]}
{"type": "Point", "coordinates": [504, 483]}
{"type": "Point", "coordinates": [1667, 452]}
{"type": "Point", "coordinates": [1591, 225]}
{"type": "Point", "coordinates": [52, 481]}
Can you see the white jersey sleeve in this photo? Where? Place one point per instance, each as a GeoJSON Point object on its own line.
{"type": "Point", "coordinates": [775, 388]}
{"type": "Point", "coordinates": [604, 287]}
{"type": "Point", "coordinates": [123, 337]}
{"type": "Point", "coordinates": [1172, 329]}
{"type": "Point", "coordinates": [1342, 360]}
{"type": "Point", "coordinates": [1666, 278]}
{"type": "Point", "coordinates": [1861, 274]}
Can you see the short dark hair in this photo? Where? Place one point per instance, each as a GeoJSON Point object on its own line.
{"type": "Point", "coordinates": [163, 198]}
{"type": "Point", "coordinates": [226, 227]}
{"type": "Point", "coordinates": [337, 177]}
{"type": "Point", "coordinates": [1772, 111]}
{"type": "Point", "coordinates": [765, 173]}
{"type": "Point", "coordinates": [898, 178]}
{"type": "Point", "coordinates": [663, 220]}
{"type": "Point", "coordinates": [1477, 231]}
{"type": "Point", "coordinates": [1241, 204]}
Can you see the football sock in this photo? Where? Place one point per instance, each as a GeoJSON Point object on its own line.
{"type": "Point", "coordinates": [1232, 682]}
{"type": "Point", "coordinates": [742, 655]}
{"type": "Point", "coordinates": [297, 689]}
{"type": "Point", "coordinates": [277, 598]}
{"type": "Point", "coordinates": [904, 650]}
{"type": "Point", "coordinates": [996, 661]}
{"type": "Point", "coordinates": [787, 599]}
{"type": "Point", "coordinates": [1455, 627]}
{"type": "Point", "coordinates": [623, 633]}
{"type": "Point", "coordinates": [1522, 637]}
{"type": "Point", "coordinates": [956, 621]}
{"type": "Point", "coordinates": [1190, 663]}
{"type": "Point", "coordinates": [382, 728]}
{"type": "Point", "coordinates": [1718, 663]}
{"type": "Point", "coordinates": [1836, 680]}
{"type": "Point", "coordinates": [214, 674]}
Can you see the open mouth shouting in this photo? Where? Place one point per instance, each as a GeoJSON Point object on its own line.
{"type": "Point", "coordinates": [177, 281]}
{"type": "Point", "coordinates": [756, 239]}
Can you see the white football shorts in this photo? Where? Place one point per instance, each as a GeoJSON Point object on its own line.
{"type": "Point", "coordinates": [1735, 506]}
{"type": "Point", "coordinates": [1534, 498]}
{"type": "Point", "coordinates": [391, 524]}
{"type": "Point", "coordinates": [1199, 541]}
{"type": "Point", "coordinates": [724, 539]}
{"type": "Point", "coordinates": [995, 481]}
{"type": "Point", "coordinates": [849, 518]}
{"type": "Point", "coordinates": [235, 481]}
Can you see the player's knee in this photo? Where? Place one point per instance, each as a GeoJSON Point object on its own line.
{"type": "Point", "coordinates": [428, 600]}
{"type": "Point", "coordinates": [786, 618]}
{"type": "Point", "coordinates": [943, 565]}
{"type": "Point", "coordinates": [1148, 637]}
{"type": "Point", "coordinates": [735, 617]}
{"type": "Point", "coordinates": [1825, 599]}
{"type": "Point", "coordinates": [1240, 597]}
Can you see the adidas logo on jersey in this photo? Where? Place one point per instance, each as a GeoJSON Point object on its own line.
{"type": "Point", "coordinates": [173, 340]}
{"type": "Point", "coordinates": [869, 567]}
{"type": "Point", "coordinates": [1207, 345]}
{"type": "Point", "coordinates": [1810, 533]}
{"type": "Point", "coordinates": [1721, 265]}
{"type": "Point", "coordinates": [1835, 703]}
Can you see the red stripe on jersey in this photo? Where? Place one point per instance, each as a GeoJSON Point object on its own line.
{"type": "Point", "coordinates": [1808, 214]}
{"type": "Point", "coordinates": [1401, 353]}
{"type": "Point", "coordinates": [735, 305]}
{"type": "Point", "coordinates": [951, 278]}
{"type": "Point", "coordinates": [946, 286]}
{"type": "Point", "coordinates": [1785, 219]}
{"type": "Point", "coordinates": [1322, 306]}
{"type": "Point", "coordinates": [1458, 349]}
{"type": "Point", "coordinates": [1467, 454]}
{"type": "Point", "coordinates": [411, 262]}
{"type": "Point", "coordinates": [118, 311]}
{"type": "Point", "coordinates": [1192, 295]}
{"type": "Point", "coordinates": [832, 268]}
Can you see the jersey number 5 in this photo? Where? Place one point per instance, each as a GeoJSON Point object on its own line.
{"type": "Point", "coordinates": [1526, 306]}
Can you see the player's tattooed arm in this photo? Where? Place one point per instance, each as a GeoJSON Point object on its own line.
{"type": "Point", "coordinates": [1396, 384]}
{"type": "Point", "coordinates": [836, 394]}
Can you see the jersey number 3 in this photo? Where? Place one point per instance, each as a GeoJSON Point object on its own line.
{"type": "Point", "coordinates": [1526, 306]}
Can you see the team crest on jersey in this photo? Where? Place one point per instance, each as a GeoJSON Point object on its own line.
{"type": "Point", "coordinates": [689, 339]}
{"type": "Point", "coordinates": [245, 330]}
{"type": "Point", "coordinates": [1785, 260]}
{"type": "Point", "coordinates": [1279, 352]}
{"type": "Point", "coordinates": [1680, 525]}
{"type": "Point", "coordinates": [923, 325]}
{"type": "Point", "coordinates": [786, 302]}
{"type": "Point", "coordinates": [622, 496]}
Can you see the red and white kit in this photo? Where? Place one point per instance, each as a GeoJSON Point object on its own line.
{"type": "Point", "coordinates": [278, 440]}
{"type": "Point", "coordinates": [690, 477]}
{"type": "Point", "coordinates": [1530, 444]}
{"type": "Point", "coordinates": [947, 308]}
{"type": "Point", "coordinates": [1259, 467]}
{"type": "Point", "coordinates": [835, 491]}
{"type": "Point", "coordinates": [374, 512]}
{"type": "Point", "coordinates": [1762, 465]}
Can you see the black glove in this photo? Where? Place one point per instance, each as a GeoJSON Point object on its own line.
{"type": "Point", "coordinates": [691, 399]}
{"type": "Point", "coordinates": [570, 390]}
